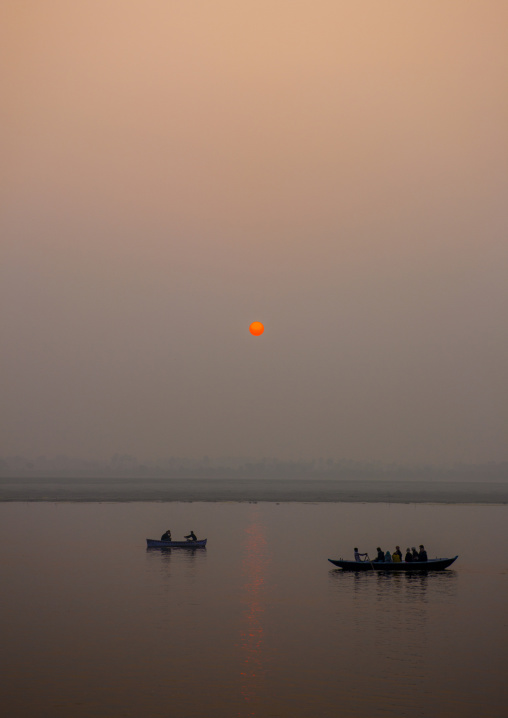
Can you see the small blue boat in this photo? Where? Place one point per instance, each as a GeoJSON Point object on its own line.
{"type": "Point", "coordinates": [433, 564]}
{"type": "Point", "coordinates": [153, 543]}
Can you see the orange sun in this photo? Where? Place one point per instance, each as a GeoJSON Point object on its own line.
{"type": "Point", "coordinates": [256, 328]}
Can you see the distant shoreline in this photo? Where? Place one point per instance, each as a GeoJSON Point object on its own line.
{"type": "Point", "coordinates": [244, 490]}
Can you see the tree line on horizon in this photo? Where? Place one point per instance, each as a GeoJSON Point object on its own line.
{"type": "Point", "coordinates": [126, 465]}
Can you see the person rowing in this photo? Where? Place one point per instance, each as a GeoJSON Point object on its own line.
{"type": "Point", "coordinates": [191, 536]}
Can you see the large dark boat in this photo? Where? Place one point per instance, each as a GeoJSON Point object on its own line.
{"type": "Point", "coordinates": [433, 564]}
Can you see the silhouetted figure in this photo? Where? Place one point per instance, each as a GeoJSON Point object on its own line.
{"type": "Point", "coordinates": [166, 536]}
{"type": "Point", "coordinates": [422, 555]}
{"type": "Point", "coordinates": [415, 554]}
{"type": "Point", "coordinates": [380, 555]}
{"type": "Point", "coordinates": [398, 553]}
{"type": "Point", "coordinates": [191, 536]}
{"type": "Point", "coordinates": [388, 557]}
{"type": "Point", "coordinates": [409, 556]}
{"type": "Point", "coordinates": [358, 556]}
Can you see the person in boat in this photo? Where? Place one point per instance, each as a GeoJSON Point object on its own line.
{"type": "Point", "coordinates": [422, 555]}
{"type": "Point", "coordinates": [380, 555]}
{"type": "Point", "coordinates": [191, 536]}
{"type": "Point", "coordinates": [388, 557]}
{"type": "Point", "coordinates": [415, 554]}
{"type": "Point", "coordinates": [166, 536]}
{"type": "Point", "coordinates": [358, 556]}
{"type": "Point", "coordinates": [409, 556]}
{"type": "Point", "coordinates": [397, 553]}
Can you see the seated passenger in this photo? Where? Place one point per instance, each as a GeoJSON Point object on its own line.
{"type": "Point", "coordinates": [166, 536]}
{"type": "Point", "coordinates": [422, 556]}
{"type": "Point", "coordinates": [415, 554]}
{"type": "Point", "coordinates": [396, 557]}
{"type": "Point", "coordinates": [398, 553]}
{"type": "Point", "coordinates": [388, 557]}
{"type": "Point", "coordinates": [409, 556]}
{"type": "Point", "coordinates": [359, 555]}
{"type": "Point", "coordinates": [191, 536]}
{"type": "Point", "coordinates": [380, 555]}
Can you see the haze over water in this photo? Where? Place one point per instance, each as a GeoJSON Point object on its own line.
{"type": "Point", "coordinates": [171, 172]}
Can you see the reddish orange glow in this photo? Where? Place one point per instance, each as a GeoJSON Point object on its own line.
{"type": "Point", "coordinates": [256, 328]}
{"type": "Point", "coordinates": [254, 567]}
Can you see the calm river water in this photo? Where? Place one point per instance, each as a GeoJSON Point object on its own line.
{"type": "Point", "coordinates": [257, 624]}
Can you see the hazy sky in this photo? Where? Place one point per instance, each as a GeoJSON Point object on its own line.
{"type": "Point", "coordinates": [173, 170]}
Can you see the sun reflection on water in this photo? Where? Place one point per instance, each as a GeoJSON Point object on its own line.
{"type": "Point", "coordinates": [254, 564]}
